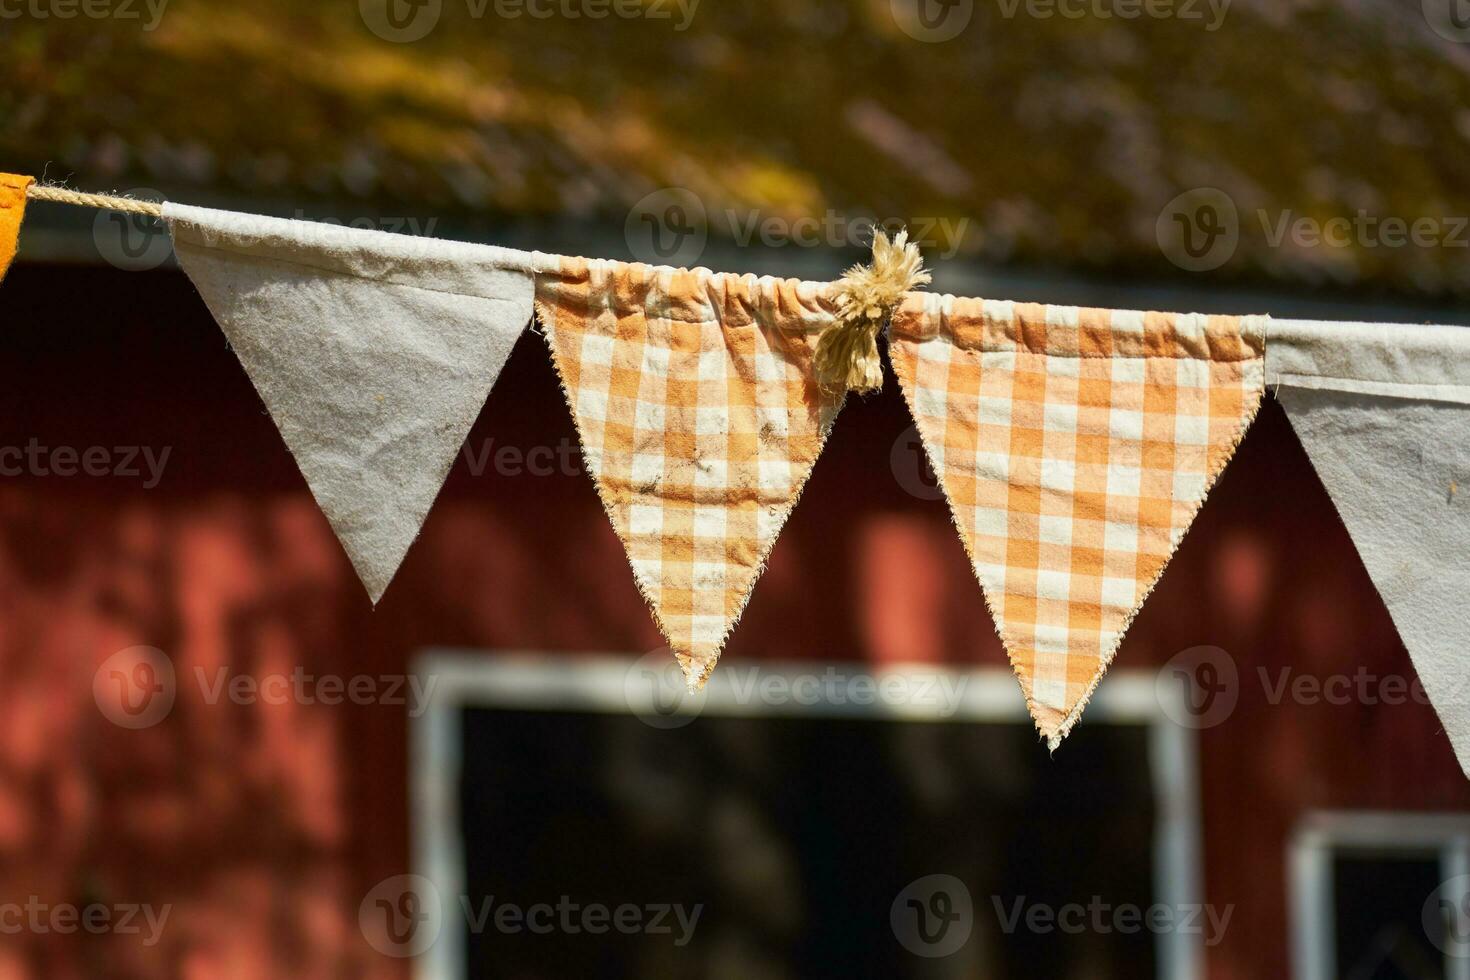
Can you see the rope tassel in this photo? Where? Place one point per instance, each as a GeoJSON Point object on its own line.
{"type": "Point", "coordinates": [866, 296]}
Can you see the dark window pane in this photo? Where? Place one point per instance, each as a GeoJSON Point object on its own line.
{"type": "Point", "coordinates": [796, 836]}
{"type": "Point", "coordinates": [1378, 904]}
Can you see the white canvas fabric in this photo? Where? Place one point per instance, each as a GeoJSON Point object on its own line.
{"type": "Point", "coordinates": [373, 352]}
{"type": "Point", "coordinates": [1406, 360]}
{"type": "Point", "coordinates": [1383, 411]}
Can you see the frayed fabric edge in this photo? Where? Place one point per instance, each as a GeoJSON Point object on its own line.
{"type": "Point", "coordinates": [1059, 733]}
{"type": "Point", "coordinates": [696, 673]}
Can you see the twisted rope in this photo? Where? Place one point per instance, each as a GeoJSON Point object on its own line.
{"type": "Point", "coordinates": [60, 195]}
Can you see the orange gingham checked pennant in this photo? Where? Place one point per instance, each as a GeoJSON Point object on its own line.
{"type": "Point", "coordinates": [1075, 447]}
{"type": "Point", "coordinates": [700, 422]}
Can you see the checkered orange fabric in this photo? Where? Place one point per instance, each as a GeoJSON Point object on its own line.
{"type": "Point", "coordinates": [1075, 447]}
{"type": "Point", "coordinates": [700, 422]}
{"type": "Point", "coordinates": [12, 211]}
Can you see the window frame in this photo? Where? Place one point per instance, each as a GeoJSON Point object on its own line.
{"type": "Point", "coordinates": [1323, 834]}
{"type": "Point", "coordinates": [527, 681]}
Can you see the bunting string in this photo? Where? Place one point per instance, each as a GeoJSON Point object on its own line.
{"type": "Point", "coordinates": [103, 202]}
{"type": "Point", "coordinates": [1074, 447]}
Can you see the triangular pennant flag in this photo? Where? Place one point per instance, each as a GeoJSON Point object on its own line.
{"type": "Point", "coordinates": [12, 213]}
{"type": "Point", "coordinates": [700, 422]}
{"type": "Point", "coordinates": [373, 352]}
{"type": "Point", "coordinates": [1074, 447]}
{"type": "Point", "coordinates": [1383, 411]}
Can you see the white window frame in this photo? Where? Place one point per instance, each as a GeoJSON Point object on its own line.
{"type": "Point", "coordinates": [585, 683]}
{"type": "Point", "coordinates": [1323, 834]}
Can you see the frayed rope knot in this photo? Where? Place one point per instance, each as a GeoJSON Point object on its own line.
{"type": "Point", "coordinates": [866, 296]}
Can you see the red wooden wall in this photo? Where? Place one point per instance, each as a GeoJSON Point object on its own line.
{"type": "Point", "coordinates": [264, 825]}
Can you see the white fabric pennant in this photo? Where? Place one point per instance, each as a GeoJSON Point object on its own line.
{"type": "Point", "coordinates": [373, 352]}
{"type": "Point", "coordinates": [1383, 411]}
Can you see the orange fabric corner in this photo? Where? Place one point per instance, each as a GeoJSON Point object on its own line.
{"type": "Point", "coordinates": [12, 210]}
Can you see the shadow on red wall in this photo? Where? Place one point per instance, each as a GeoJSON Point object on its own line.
{"type": "Point", "coordinates": [263, 821]}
